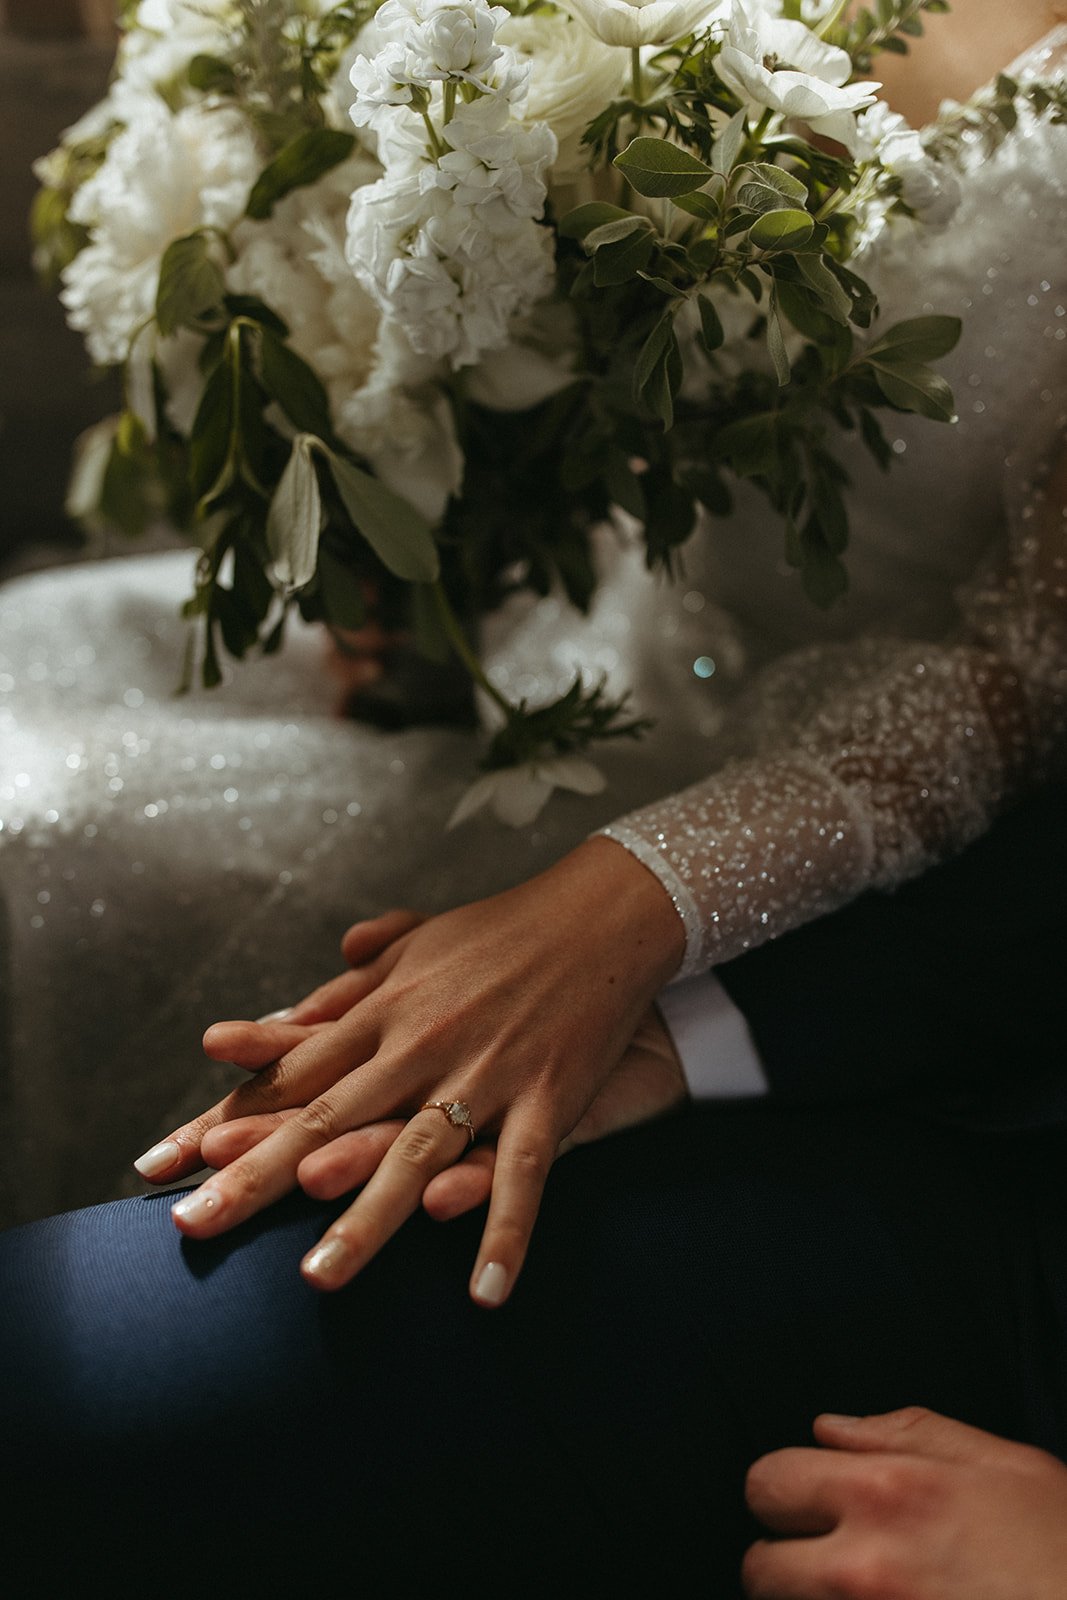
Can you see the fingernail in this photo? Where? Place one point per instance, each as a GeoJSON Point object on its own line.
{"type": "Point", "coordinates": [159, 1159]}
{"type": "Point", "coordinates": [491, 1285]}
{"type": "Point", "coordinates": [277, 1016]}
{"type": "Point", "coordinates": [324, 1260]}
{"type": "Point", "coordinates": [837, 1421]}
{"type": "Point", "coordinates": [197, 1207]}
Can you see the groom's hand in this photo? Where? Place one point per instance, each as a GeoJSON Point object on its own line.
{"type": "Point", "coordinates": [908, 1506]}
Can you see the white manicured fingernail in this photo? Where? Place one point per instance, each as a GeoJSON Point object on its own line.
{"type": "Point", "coordinates": [325, 1259]}
{"type": "Point", "coordinates": [491, 1285]}
{"type": "Point", "coordinates": [277, 1016]}
{"type": "Point", "coordinates": [197, 1207]}
{"type": "Point", "coordinates": [159, 1159]}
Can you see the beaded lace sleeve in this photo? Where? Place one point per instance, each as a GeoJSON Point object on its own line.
{"type": "Point", "coordinates": [909, 758]}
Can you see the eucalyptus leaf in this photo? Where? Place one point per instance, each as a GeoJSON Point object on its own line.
{"type": "Point", "coordinates": [583, 219]}
{"type": "Point", "coordinates": [911, 387]}
{"type": "Point", "coordinates": [699, 204]}
{"type": "Point", "coordinates": [776, 343]}
{"type": "Point", "coordinates": [294, 520]}
{"type": "Point", "coordinates": [294, 386]}
{"type": "Point", "coordinates": [728, 145]}
{"type": "Point", "coordinates": [652, 352]}
{"type": "Point", "coordinates": [767, 174]}
{"type": "Point", "coordinates": [658, 169]}
{"type": "Point", "coordinates": [918, 339]}
{"type": "Point", "coordinates": [833, 298]}
{"type": "Point", "coordinates": [619, 262]}
{"type": "Point", "coordinates": [190, 283]}
{"type": "Point", "coordinates": [210, 435]}
{"type": "Point", "coordinates": [303, 160]}
{"type": "Point", "coordinates": [612, 232]}
{"type": "Point", "coordinates": [398, 534]}
{"type": "Point", "coordinates": [781, 230]}
{"type": "Point", "coordinates": [712, 332]}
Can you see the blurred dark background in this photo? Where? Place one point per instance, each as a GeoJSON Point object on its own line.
{"type": "Point", "coordinates": [55, 56]}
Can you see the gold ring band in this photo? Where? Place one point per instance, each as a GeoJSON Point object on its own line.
{"type": "Point", "coordinates": [458, 1114]}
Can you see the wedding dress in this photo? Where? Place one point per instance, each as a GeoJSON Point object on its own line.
{"type": "Point", "coordinates": [168, 861]}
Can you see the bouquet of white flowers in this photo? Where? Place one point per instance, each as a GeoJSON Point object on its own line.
{"type": "Point", "coordinates": [409, 297]}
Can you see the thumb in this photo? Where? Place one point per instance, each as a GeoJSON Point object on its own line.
{"type": "Point", "coordinates": [910, 1431]}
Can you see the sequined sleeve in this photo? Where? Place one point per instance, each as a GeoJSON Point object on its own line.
{"type": "Point", "coordinates": [909, 758]}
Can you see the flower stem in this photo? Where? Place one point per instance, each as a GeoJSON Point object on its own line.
{"type": "Point", "coordinates": [637, 82]}
{"type": "Point", "coordinates": [450, 103]}
{"type": "Point", "coordinates": [461, 645]}
{"type": "Point", "coordinates": [438, 148]}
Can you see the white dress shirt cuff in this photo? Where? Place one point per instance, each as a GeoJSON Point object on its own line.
{"type": "Point", "coordinates": [711, 1036]}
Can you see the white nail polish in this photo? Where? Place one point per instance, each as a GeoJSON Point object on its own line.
{"type": "Point", "coordinates": [159, 1159]}
{"type": "Point", "coordinates": [277, 1016]}
{"type": "Point", "coordinates": [196, 1207]}
{"type": "Point", "coordinates": [324, 1259]}
{"type": "Point", "coordinates": [491, 1285]}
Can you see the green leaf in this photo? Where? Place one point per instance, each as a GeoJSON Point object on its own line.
{"type": "Point", "coordinates": [832, 297]}
{"type": "Point", "coordinates": [190, 283]}
{"type": "Point", "coordinates": [296, 388]}
{"type": "Point", "coordinates": [776, 343]}
{"type": "Point", "coordinates": [211, 75]}
{"type": "Point", "coordinates": [612, 232]}
{"type": "Point", "coordinates": [875, 439]}
{"type": "Point", "coordinates": [303, 160]}
{"type": "Point", "coordinates": [583, 219]}
{"type": "Point", "coordinates": [727, 146]}
{"type": "Point", "coordinates": [652, 352]}
{"type": "Point", "coordinates": [340, 591]}
{"type": "Point", "coordinates": [658, 169]}
{"type": "Point", "coordinates": [294, 520]}
{"type": "Point", "coordinates": [781, 230]}
{"type": "Point", "coordinates": [918, 339]}
{"type": "Point", "coordinates": [210, 437]}
{"type": "Point", "coordinates": [750, 444]}
{"type": "Point", "coordinates": [772, 177]}
{"type": "Point", "coordinates": [712, 332]}
{"type": "Point", "coordinates": [618, 263]}
{"type": "Point", "coordinates": [915, 388]}
{"type": "Point", "coordinates": [398, 534]}
{"type": "Point", "coordinates": [699, 204]}
{"type": "Point", "coordinates": [623, 484]}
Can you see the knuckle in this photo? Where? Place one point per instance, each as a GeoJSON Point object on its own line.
{"type": "Point", "coordinates": [892, 1488]}
{"type": "Point", "coordinates": [319, 1119]}
{"type": "Point", "coordinates": [532, 1161]}
{"type": "Point", "coordinates": [416, 1148]}
{"type": "Point", "coordinates": [269, 1091]}
{"type": "Point", "coordinates": [912, 1417]}
{"type": "Point", "coordinates": [866, 1574]}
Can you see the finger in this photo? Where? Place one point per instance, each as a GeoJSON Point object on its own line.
{"type": "Point", "coordinates": [424, 1148]}
{"type": "Point", "coordinates": [796, 1491]}
{"type": "Point", "coordinates": [790, 1569]}
{"type": "Point", "coordinates": [252, 1045]}
{"type": "Point", "coordinates": [523, 1161]}
{"type": "Point", "coordinates": [365, 940]}
{"type": "Point", "coordinates": [911, 1431]}
{"type": "Point", "coordinates": [462, 1187]}
{"type": "Point", "coordinates": [332, 999]}
{"type": "Point", "coordinates": [231, 1140]}
{"type": "Point", "coordinates": [300, 1080]}
{"type": "Point", "coordinates": [346, 1162]}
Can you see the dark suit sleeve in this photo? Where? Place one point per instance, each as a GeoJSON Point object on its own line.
{"type": "Point", "coordinates": [950, 989]}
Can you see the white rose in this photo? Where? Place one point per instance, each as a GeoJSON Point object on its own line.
{"type": "Point", "coordinates": [638, 22]}
{"type": "Point", "coordinates": [573, 76]}
{"type": "Point", "coordinates": [775, 64]}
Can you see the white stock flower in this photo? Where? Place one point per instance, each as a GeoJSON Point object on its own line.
{"type": "Point", "coordinates": [412, 44]}
{"type": "Point", "coordinates": [573, 76]}
{"type": "Point", "coordinates": [517, 795]}
{"type": "Point", "coordinates": [163, 176]}
{"type": "Point", "coordinates": [639, 22]}
{"type": "Point", "coordinates": [927, 186]}
{"type": "Point", "coordinates": [772, 63]}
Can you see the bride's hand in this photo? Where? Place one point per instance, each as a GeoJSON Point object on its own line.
{"type": "Point", "coordinates": [518, 1007]}
{"type": "Point", "coordinates": [647, 1083]}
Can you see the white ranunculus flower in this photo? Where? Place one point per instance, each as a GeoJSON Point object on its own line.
{"type": "Point", "coordinates": [639, 22]}
{"type": "Point", "coordinates": [517, 795]}
{"type": "Point", "coordinates": [573, 75]}
{"type": "Point", "coordinates": [775, 64]}
{"type": "Point", "coordinates": [163, 177]}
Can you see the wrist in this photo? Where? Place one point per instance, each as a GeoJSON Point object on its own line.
{"type": "Point", "coordinates": [632, 913]}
